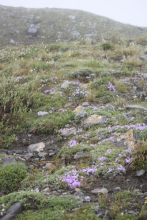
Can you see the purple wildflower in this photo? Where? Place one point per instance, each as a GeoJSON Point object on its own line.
{"type": "Point", "coordinates": [96, 208]}
{"type": "Point", "coordinates": [37, 190]}
{"type": "Point", "coordinates": [73, 143]}
{"type": "Point", "coordinates": [121, 168]}
{"type": "Point", "coordinates": [128, 160]}
{"type": "Point", "coordinates": [101, 158]}
{"type": "Point", "coordinates": [87, 199]}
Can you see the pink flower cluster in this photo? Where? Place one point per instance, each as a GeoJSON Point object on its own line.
{"type": "Point", "coordinates": [73, 143]}
{"type": "Point", "coordinates": [72, 179]}
{"type": "Point", "coordinates": [49, 91]}
{"type": "Point", "coordinates": [111, 87]}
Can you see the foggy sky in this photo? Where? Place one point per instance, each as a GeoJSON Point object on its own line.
{"type": "Point", "coordinates": [126, 11]}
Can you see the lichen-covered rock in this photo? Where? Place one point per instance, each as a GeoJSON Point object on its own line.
{"type": "Point", "coordinates": [79, 109]}
{"type": "Point", "coordinates": [67, 131]}
{"type": "Point", "coordinates": [125, 140]}
{"type": "Point", "coordinates": [93, 120]}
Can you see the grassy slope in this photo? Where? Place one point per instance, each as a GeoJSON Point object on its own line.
{"type": "Point", "coordinates": [45, 67]}
{"type": "Point", "coordinates": [55, 24]}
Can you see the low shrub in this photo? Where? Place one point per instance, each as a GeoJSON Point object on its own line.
{"type": "Point", "coordinates": [11, 176]}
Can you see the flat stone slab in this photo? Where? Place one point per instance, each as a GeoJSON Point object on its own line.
{"type": "Point", "coordinates": [102, 191]}
{"type": "Point", "coordinates": [138, 107]}
{"type": "Point", "coordinates": [78, 155]}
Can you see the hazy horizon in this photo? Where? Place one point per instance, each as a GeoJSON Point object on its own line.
{"type": "Point", "coordinates": [130, 12]}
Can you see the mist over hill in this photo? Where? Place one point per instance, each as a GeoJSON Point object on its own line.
{"type": "Point", "coordinates": [30, 26]}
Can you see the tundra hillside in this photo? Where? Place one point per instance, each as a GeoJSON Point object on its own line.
{"type": "Point", "coordinates": [73, 128]}
{"type": "Point", "coordinates": [34, 26]}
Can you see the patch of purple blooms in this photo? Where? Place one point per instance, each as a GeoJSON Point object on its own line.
{"type": "Point", "coordinates": [49, 91]}
{"type": "Point", "coordinates": [96, 208]}
{"type": "Point", "coordinates": [138, 126]}
{"type": "Point", "coordinates": [111, 87]}
{"type": "Point", "coordinates": [79, 92]}
{"type": "Point", "coordinates": [101, 158]}
{"type": "Point", "coordinates": [72, 179]}
{"type": "Point", "coordinates": [121, 168]}
{"type": "Point", "coordinates": [73, 143]}
{"type": "Point", "coordinates": [87, 198]}
{"type": "Point", "coordinates": [89, 170]}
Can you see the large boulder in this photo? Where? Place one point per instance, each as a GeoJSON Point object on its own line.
{"type": "Point", "coordinates": [33, 29]}
{"type": "Point", "coordinates": [14, 210]}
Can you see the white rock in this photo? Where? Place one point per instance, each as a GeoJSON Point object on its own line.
{"type": "Point", "coordinates": [42, 113]}
{"type": "Point", "coordinates": [102, 191]}
{"type": "Point", "coordinates": [140, 172]}
{"type": "Point", "coordinates": [36, 148]}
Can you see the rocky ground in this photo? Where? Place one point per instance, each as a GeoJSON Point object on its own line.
{"type": "Point", "coordinates": [73, 131]}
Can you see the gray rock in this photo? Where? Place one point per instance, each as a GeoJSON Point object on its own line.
{"type": "Point", "coordinates": [117, 189]}
{"type": "Point", "coordinates": [144, 75]}
{"type": "Point", "coordinates": [78, 155]}
{"type": "Point", "coordinates": [131, 212]}
{"type": "Point", "coordinates": [18, 151]}
{"type": "Point", "coordinates": [72, 17]}
{"type": "Point", "coordinates": [52, 153]}
{"type": "Point", "coordinates": [42, 154]}
{"type": "Point", "coordinates": [85, 104]}
{"type": "Point", "coordinates": [66, 84]}
{"type": "Point", "coordinates": [14, 210]}
{"type": "Point", "coordinates": [42, 113]}
{"type": "Point", "coordinates": [136, 190]}
{"type": "Point", "coordinates": [49, 166]}
{"type": "Point", "coordinates": [143, 57]}
{"type": "Point", "coordinates": [102, 191]}
{"type": "Point", "coordinates": [68, 131]}
{"type": "Point", "coordinates": [140, 172]}
{"type": "Point", "coordinates": [137, 107]}
{"type": "Point", "coordinates": [79, 194]}
{"type": "Point", "coordinates": [12, 41]}
{"type": "Point", "coordinates": [110, 107]}
{"type": "Point", "coordinates": [9, 161]}
{"type": "Point", "coordinates": [33, 29]}
{"type": "Point", "coordinates": [144, 194]}
{"type": "Point", "coordinates": [28, 156]}
{"type": "Point", "coordinates": [35, 148]}
{"type": "Point", "coordinates": [144, 188]}
{"type": "Point", "coordinates": [75, 34]}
